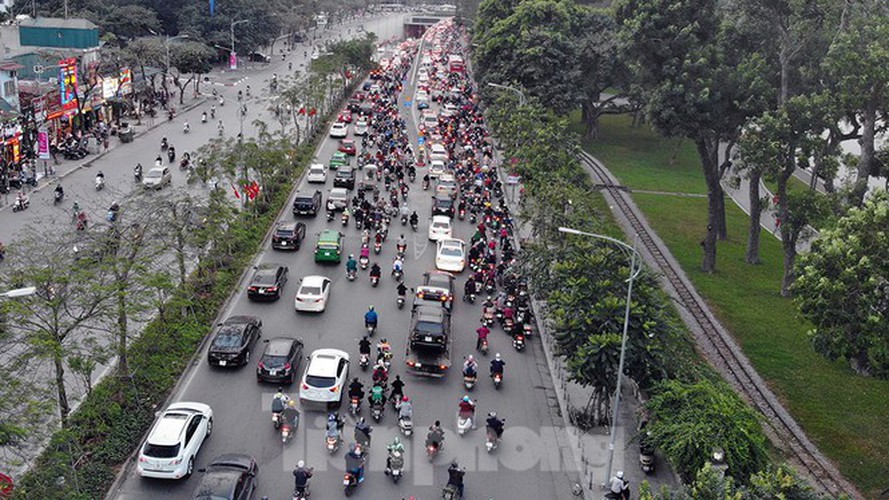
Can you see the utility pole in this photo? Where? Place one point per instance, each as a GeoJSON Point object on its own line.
{"type": "Point", "coordinates": [235, 23]}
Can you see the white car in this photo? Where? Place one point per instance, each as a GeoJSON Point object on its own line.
{"type": "Point", "coordinates": [429, 120]}
{"type": "Point", "coordinates": [447, 184]}
{"type": "Point", "coordinates": [158, 177]}
{"type": "Point", "coordinates": [339, 130]}
{"type": "Point", "coordinates": [438, 152]}
{"type": "Point", "coordinates": [174, 441]}
{"type": "Point", "coordinates": [450, 255]}
{"type": "Point", "coordinates": [317, 174]}
{"type": "Point", "coordinates": [312, 294]}
{"type": "Point", "coordinates": [325, 377]}
{"type": "Point", "coordinates": [440, 228]}
{"type": "Point", "coordinates": [436, 168]}
{"type": "Point", "coordinates": [423, 77]}
{"type": "Point", "coordinates": [422, 96]}
{"type": "Point", "coordinates": [360, 127]}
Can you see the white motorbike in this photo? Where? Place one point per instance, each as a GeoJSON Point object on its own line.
{"type": "Point", "coordinates": [100, 183]}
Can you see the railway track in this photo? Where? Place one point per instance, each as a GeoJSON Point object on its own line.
{"type": "Point", "coordinates": [725, 355]}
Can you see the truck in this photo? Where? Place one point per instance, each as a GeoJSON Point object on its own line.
{"type": "Point", "coordinates": [429, 341]}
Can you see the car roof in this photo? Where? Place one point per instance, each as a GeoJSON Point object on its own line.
{"type": "Point", "coordinates": [239, 320]}
{"type": "Point", "coordinates": [172, 423]}
{"type": "Point", "coordinates": [314, 280]}
{"type": "Point", "coordinates": [439, 276]}
{"type": "Point", "coordinates": [280, 346]}
{"type": "Point", "coordinates": [157, 169]}
{"type": "Point", "coordinates": [339, 191]}
{"type": "Point", "coordinates": [324, 362]}
{"type": "Point", "coordinates": [451, 242]}
{"type": "Point", "coordinates": [288, 226]}
{"type": "Point", "coordinates": [232, 460]}
{"type": "Point", "coordinates": [318, 165]}
{"type": "Point", "coordinates": [329, 235]}
{"type": "Point", "coordinates": [430, 312]}
{"type": "Point", "coordinates": [268, 267]}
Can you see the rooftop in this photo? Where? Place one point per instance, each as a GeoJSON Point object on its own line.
{"type": "Point", "coordinates": [55, 22]}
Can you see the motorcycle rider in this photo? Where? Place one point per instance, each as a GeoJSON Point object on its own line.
{"type": "Point", "coordinates": [291, 414]}
{"type": "Point", "coordinates": [497, 365]}
{"type": "Point", "coordinates": [415, 219]}
{"type": "Point", "coordinates": [383, 350]}
{"type": "Point", "coordinates": [356, 390]}
{"type": "Point", "coordinates": [364, 346]}
{"type": "Point", "coordinates": [436, 435]}
{"type": "Point", "coordinates": [301, 476]}
{"type": "Point", "coordinates": [355, 462]}
{"type": "Point", "coordinates": [467, 407]}
{"type": "Point", "coordinates": [470, 366]}
{"type": "Point", "coordinates": [394, 447]}
{"type": "Point", "coordinates": [482, 332]}
{"type": "Point", "coordinates": [137, 171]}
{"type": "Point", "coordinates": [60, 192]}
{"type": "Point", "coordinates": [455, 477]}
{"type": "Point", "coordinates": [213, 110]}
{"type": "Point", "coordinates": [397, 389]}
{"type": "Point", "coordinates": [397, 266]}
{"type": "Point", "coordinates": [620, 487]}
{"type": "Point", "coordinates": [362, 433]}
{"type": "Point", "coordinates": [495, 424]}
{"type": "Point", "coordinates": [469, 288]}
{"type": "Point", "coordinates": [405, 408]}
{"type": "Point", "coordinates": [335, 425]}
{"type": "Point", "coordinates": [375, 271]}
{"type": "Point", "coordinates": [279, 401]}
{"type": "Point", "coordinates": [365, 252]}
{"type": "Point", "coordinates": [21, 198]}
{"type": "Point", "coordinates": [401, 290]}
{"type": "Point", "coordinates": [381, 374]}
{"type": "Point", "coordinates": [351, 264]}
{"type": "Point", "coordinates": [401, 244]}
{"type": "Point", "coordinates": [371, 317]}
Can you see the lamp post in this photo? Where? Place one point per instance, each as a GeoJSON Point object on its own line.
{"type": "Point", "coordinates": [623, 344]}
{"type": "Point", "coordinates": [167, 41]}
{"type": "Point", "coordinates": [232, 27]}
{"type": "Point", "coordinates": [510, 88]}
{"type": "Point", "coordinates": [18, 292]}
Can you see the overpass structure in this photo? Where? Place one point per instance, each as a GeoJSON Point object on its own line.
{"type": "Point", "coordinates": [417, 24]}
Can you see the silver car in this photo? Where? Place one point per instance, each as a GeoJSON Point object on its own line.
{"type": "Point", "coordinates": [158, 177]}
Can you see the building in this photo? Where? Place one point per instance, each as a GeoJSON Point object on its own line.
{"type": "Point", "coordinates": [6, 5]}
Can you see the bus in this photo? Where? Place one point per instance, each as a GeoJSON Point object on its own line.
{"type": "Point", "coordinates": [455, 63]}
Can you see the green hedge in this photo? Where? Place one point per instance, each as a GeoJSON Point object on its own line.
{"type": "Point", "coordinates": [81, 462]}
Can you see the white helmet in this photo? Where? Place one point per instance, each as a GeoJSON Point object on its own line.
{"type": "Point", "coordinates": [620, 474]}
{"type": "Point", "coordinates": [470, 359]}
{"type": "Point", "coordinates": [300, 464]}
{"type": "Point", "coordinates": [497, 356]}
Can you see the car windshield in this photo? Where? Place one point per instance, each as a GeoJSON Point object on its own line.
{"type": "Point", "coordinates": [344, 173]}
{"type": "Point", "coordinates": [428, 328]}
{"type": "Point", "coordinates": [226, 340]}
{"type": "Point", "coordinates": [264, 279]}
{"type": "Point", "coordinates": [155, 173]}
{"type": "Point", "coordinates": [440, 225]}
{"type": "Point", "coordinates": [321, 382]}
{"type": "Point", "coordinates": [439, 282]}
{"type": "Point", "coordinates": [310, 290]}
{"type": "Point", "coordinates": [159, 451]}
{"type": "Point", "coordinates": [451, 252]}
{"type": "Point", "coordinates": [443, 202]}
{"type": "Point", "coordinates": [285, 232]}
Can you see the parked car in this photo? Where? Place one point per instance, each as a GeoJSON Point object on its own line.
{"type": "Point", "coordinates": [312, 294]}
{"type": "Point", "coordinates": [158, 177]}
{"type": "Point", "coordinates": [280, 360]}
{"type": "Point", "coordinates": [228, 477]}
{"type": "Point", "coordinates": [174, 440]}
{"type": "Point", "coordinates": [307, 203]}
{"type": "Point", "coordinates": [317, 174]}
{"type": "Point", "coordinates": [450, 255]}
{"type": "Point", "coordinates": [233, 341]}
{"type": "Point", "coordinates": [268, 281]}
{"type": "Point", "coordinates": [344, 178]}
{"type": "Point", "coordinates": [325, 377]}
{"type": "Point", "coordinates": [288, 235]}
{"type": "Point", "coordinates": [259, 57]}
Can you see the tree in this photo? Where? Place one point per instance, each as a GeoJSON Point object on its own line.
{"type": "Point", "coordinates": [779, 482]}
{"type": "Point", "coordinates": [129, 21]}
{"type": "Point", "coordinates": [689, 80]}
{"type": "Point", "coordinates": [690, 419]}
{"type": "Point", "coordinates": [849, 264]}
{"type": "Point", "coordinates": [189, 58]}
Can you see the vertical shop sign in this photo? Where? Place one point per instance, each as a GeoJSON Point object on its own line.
{"type": "Point", "coordinates": [68, 83]}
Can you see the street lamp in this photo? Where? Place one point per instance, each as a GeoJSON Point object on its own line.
{"type": "Point", "coordinates": [623, 344]}
{"type": "Point", "coordinates": [19, 292]}
{"type": "Point", "coordinates": [511, 88]}
{"type": "Point", "coordinates": [232, 27]}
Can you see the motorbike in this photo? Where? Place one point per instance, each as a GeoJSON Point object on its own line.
{"type": "Point", "coordinates": [491, 440]}
{"type": "Point", "coordinates": [432, 450]}
{"type": "Point", "coordinates": [171, 155]}
{"type": "Point", "coordinates": [400, 301]}
{"type": "Point", "coordinates": [345, 219]}
{"type": "Point", "coordinates": [404, 220]}
{"type": "Point", "coordinates": [527, 329]}
{"type": "Point", "coordinates": [355, 405]}
{"type": "Point", "coordinates": [450, 492]}
{"type": "Point", "coordinates": [330, 215]}
{"type": "Point", "coordinates": [350, 482]}
{"type": "Point", "coordinates": [100, 183]}
{"type": "Point", "coordinates": [488, 317]}
{"type": "Point", "coordinates": [363, 262]}
{"type": "Point", "coordinates": [137, 174]}
{"type": "Point", "coordinates": [371, 328]}
{"type": "Point", "coordinates": [183, 164]}
{"type": "Point", "coordinates": [425, 185]}
{"type": "Point", "coordinates": [377, 409]}
{"type": "Point", "coordinates": [185, 129]}
{"type": "Point", "coordinates": [57, 197]}
{"type": "Point", "coordinates": [472, 218]}
{"type": "Point", "coordinates": [518, 341]}
{"type": "Point", "coordinates": [364, 361]}
{"type": "Point", "coordinates": [395, 467]}
{"type": "Point", "coordinates": [469, 381]}
{"type": "Point", "coordinates": [484, 347]}
{"type": "Point", "coordinates": [164, 144]}
{"type": "Point", "coordinates": [412, 176]}
{"type": "Point", "coordinates": [397, 275]}
{"type": "Point", "coordinates": [20, 204]}
{"type": "Point", "coordinates": [406, 425]}
{"type": "Point", "coordinates": [377, 247]}
{"type": "Point", "coordinates": [414, 226]}
{"type": "Point", "coordinates": [277, 420]}
{"type": "Point", "coordinates": [646, 450]}
{"type": "Point", "coordinates": [498, 379]}
{"type": "Point", "coordinates": [351, 275]}
{"type": "Point", "coordinates": [464, 422]}
{"type": "Point", "coordinates": [332, 443]}
{"type": "Point", "coordinates": [461, 214]}
{"type": "Point", "coordinates": [374, 280]}
{"type": "Point", "coordinates": [508, 325]}
{"type": "Point", "coordinates": [287, 432]}
{"type": "Point", "coordinates": [301, 493]}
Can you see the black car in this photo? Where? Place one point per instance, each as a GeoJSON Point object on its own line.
{"type": "Point", "coordinates": [437, 287]}
{"type": "Point", "coordinates": [443, 205]}
{"type": "Point", "coordinates": [259, 57]}
{"type": "Point", "coordinates": [307, 203]}
{"type": "Point", "coordinates": [267, 282]}
{"type": "Point", "coordinates": [344, 178]}
{"type": "Point", "coordinates": [353, 105]}
{"type": "Point", "coordinates": [233, 341]}
{"type": "Point", "coordinates": [288, 236]}
{"type": "Point", "coordinates": [228, 477]}
{"type": "Point", "coordinates": [430, 326]}
{"type": "Point", "coordinates": [280, 361]}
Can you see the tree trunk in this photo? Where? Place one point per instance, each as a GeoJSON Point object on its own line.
{"type": "Point", "coordinates": [752, 256]}
{"type": "Point", "coordinates": [64, 408]}
{"type": "Point", "coordinates": [590, 115]}
{"type": "Point", "coordinates": [866, 160]}
{"type": "Point", "coordinates": [789, 246]}
{"type": "Point", "coordinates": [788, 231]}
{"type": "Point", "coordinates": [123, 368]}
{"type": "Point", "coordinates": [708, 150]}
{"type": "Point", "coordinates": [721, 229]}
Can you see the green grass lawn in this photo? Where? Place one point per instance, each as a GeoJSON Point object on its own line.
{"type": "Point", "coordinates": [846, 415]}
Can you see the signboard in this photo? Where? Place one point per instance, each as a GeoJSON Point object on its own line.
{"type": "Point", "coordinates": [421, 140]}
{"type": "Point", "coordinates": [233, 61]}
{"type": "Point", "coordinates": [68, 83]}
{"type": "Point", "coordinates": [43, 144]}
{"type": "Point", "coordinates": [513, 179]}
{"type": "Point", "coordinates": [109, 87]}
{"type": "Point", "coordinates": [126, 81]}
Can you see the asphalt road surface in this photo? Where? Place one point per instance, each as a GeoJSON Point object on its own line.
{"type": "Point", "coordinates": [526, 465]}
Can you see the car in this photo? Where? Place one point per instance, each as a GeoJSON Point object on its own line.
{"type": "Point", "coordinates": [228, 477]}
{"type": "Point", "coordinates": [366, 86]}
{"type": "Point", "coordinates": [442, 205]}
{"type": "Point", "coordinates": [437, 287]}
{"type": "Point", "coordinates": [312, 294]}
{"type": "Point", "coordinates": [339, 159]}
{"type": "Point", "coordinates": [174, 440]}
{"type": "Point", "coordinates": [436, 168]}
{"type": "Point", "coordinates": [233, 341]}
{"type": "Point", "coordinates": [449, 110]}
{"type": "Point", "coordinates": [440, 228]}
{"type": "Point", "coordinates": [423, 77]}
{"type": "Point", "coordinates": [344, 178]}
{"type": "Point", "coordinates": [307, 203]}
{"type": "Point", "coordinates": [353, 104]}
{"type": "Point", "coordinates": [259, 57]}
{"type": "Point", "coordinates": [447, 185]}
{"type": "Point", "coordinates": [157, 178]}
{"type": "Point", "coordinates": [317, 174]}
{"type": "Point", "coordinates": [450, 255]}
{"type": "Point", "coordinates": [325, 377]}
{"type": "Point", "coordinates": [421, 105]}
{"type": "Point", "coordinates": [430, 324]}
{"type": "Point", "coordinates": [288, 235]}
{"type": "Point", "coordinates": [280, 360]}
{"type": "Point", "coordinates": [337, 199]}
{"type": "Point", "coordinates": [438, 152]}
{"type": "Point", "coordinates": [329, 247]}
{"type": "Point", "coordinates": [429, 121]}
{"type": "Point", "coordinates": [360, 127]}
{"type": "Point", "coordinates": [345, 116]}
{"type": "Point", "coordinates": [366, 109]}
{"type": "Point", "coordinates": [339, 130]}
{"type": "Point", "coordinates": [268, 281]}
{"type": "Point", "coordinates": [347, 146]}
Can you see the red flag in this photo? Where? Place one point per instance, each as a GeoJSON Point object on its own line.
{"type": "Point", "coordinates": [301, 111]}
{"type": "Point", "coordinates": [348, 74]}
{"type": "Point", "coordinates": [253, 190]}
{"type": "Point", "coordinates": [237, 193]}
{"type": "Point", "coordinates": [313, 112]}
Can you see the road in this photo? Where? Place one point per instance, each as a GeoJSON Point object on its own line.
{"type": "Point", "coordinates": [527, 465]}
{"type": "Point", "coordinates": [78, 178]}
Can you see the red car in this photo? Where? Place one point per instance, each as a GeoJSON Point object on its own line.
{"type": "Point", "coordinates": [347, 146]}
{"type": "Point", "coordinates": [345, 116]}
{"type": "Point", "coordinates": [360, 96]}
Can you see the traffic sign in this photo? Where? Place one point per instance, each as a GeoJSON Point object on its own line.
{"type": "Point", "coordinates": [513, 179]}
{"type": "Point", "coordinates": [407, 103]}
{"type": "Point", "coordinates": [421, 141]}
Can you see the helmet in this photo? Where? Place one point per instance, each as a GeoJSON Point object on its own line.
{"type": "Point", "coordinates": [351, 256]}
{"type": "Point", "coordinates": [361, 420]}
{"type": "Point", "coordinates": [497, 356]}
{"type": "Point", "coordinates": [454, 464]}
{"type": "Point", "coordinates": [405, 399]}
{"type": "Point", "coordinates": [470, 358]}
{"type": "Point", "coordinates": [493, 414]}
{"type": "Point", "coordinates": [300, 464]}
{"type": "Point", "coordinates": [352, 447]}
{"type": "Point", "coordinates": [371, 308]}
{"type": "Point", "coordinates": [384, 341]}
{"type": "Point", "coordinates": [331, 416]}
{"type": "Point", "coordinates": [291, 403]}
{"type": "Point", "coordinates": [280, 389]}
{"type": "Point", "coordinates": [620, 474]}
{"type": "Point", "coordinates": [396, 441]}
{"type": "Point", "coordinates": [466, 399]}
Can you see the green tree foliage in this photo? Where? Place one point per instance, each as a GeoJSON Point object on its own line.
{"type": "Point", "coordinates": [190, 59]}
{"type": "Point", "coordinates": [690, 419]}
{"type": "Point", "coordinates": [842, 288]}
